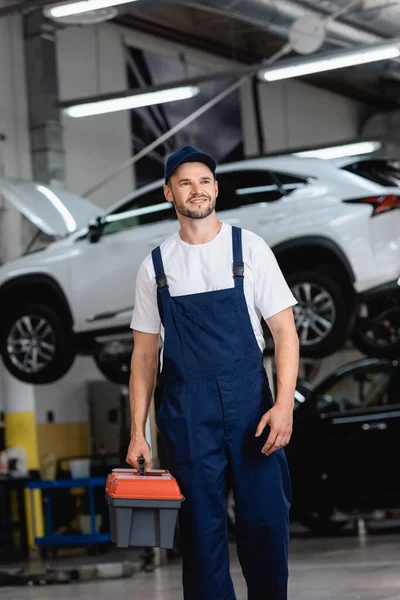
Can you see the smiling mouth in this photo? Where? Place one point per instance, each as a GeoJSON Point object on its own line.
{"type": "Point", "coordinates": [198, 201]}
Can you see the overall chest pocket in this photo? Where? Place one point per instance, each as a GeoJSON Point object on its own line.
{"type": "Point", "coordinates": [211, 336]}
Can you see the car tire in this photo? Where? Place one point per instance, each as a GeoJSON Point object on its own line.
{"type": "Point", "coordinates": [379, 334]}
{"type": "Point", "coordinates": [52, 331]}
{"type": "Point", "coordinates": [340, 311]}
{"type": "Point", "coordinates": [114, 367]}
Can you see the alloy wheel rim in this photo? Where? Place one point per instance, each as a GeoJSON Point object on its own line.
{"type": "Point", "coordinates": [315, 313]}
{"type": "Point", "coordinates": [31, 344]}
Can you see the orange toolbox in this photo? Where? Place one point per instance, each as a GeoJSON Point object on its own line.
{"type": "Point", "coordinates": [143, 507]}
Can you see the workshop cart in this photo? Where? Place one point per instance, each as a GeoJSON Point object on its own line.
{"type": "Point", "coordinates": [51, 539]}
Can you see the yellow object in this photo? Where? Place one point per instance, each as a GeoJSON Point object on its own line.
{"type": "Point", "coordinates": [48, 465]}
{"type": "Point", "coordinates": [20, 430]}
{"type": "Point", "coordinates": [63, 439]}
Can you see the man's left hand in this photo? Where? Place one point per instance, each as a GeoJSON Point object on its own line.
{"type": "Point", "coordinates": [280, 420]}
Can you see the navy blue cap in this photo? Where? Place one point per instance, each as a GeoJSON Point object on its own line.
{"type": "Point", "coordinates": [184, 155]}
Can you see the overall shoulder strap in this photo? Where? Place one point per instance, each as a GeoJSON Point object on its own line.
{"type": "Point", "coordinates": [238, 264]}
{"type": "Point", "coordinates": [161, 278]}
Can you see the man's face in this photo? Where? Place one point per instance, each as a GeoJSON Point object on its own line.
{"type": "Point", "coordinates": [193, 190]}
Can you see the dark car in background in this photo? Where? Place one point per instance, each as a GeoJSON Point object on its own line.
{"type": "Point", "coordinates": [344, 453]}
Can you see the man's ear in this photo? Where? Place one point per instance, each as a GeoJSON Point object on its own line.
{"type": "Point", "coordinates": [216, 189]}
{"type": "Point", "coordinates": [168, 193]}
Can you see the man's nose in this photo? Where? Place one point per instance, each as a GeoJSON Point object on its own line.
{"type": "Point", "coordinates": [196, 188]}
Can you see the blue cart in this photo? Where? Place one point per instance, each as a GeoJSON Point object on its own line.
{"type": "Point", "coordinates": [52, 539]}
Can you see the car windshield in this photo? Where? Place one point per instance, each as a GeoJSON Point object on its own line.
{"type": "Point", "coordinates": [383, 172]}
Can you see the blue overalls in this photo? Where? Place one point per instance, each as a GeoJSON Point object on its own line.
{"type": "Point", "coordinates": [215, 390]}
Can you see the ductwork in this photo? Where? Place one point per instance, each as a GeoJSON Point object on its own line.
{"type": "Point", "coordinates": [277, 16]}
{"type": "Point", "coordinates": [337, 31]}
{"type": "Point", "coordinates": [379, 16]}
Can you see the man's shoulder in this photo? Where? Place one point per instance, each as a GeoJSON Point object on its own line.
{"type": "Point", "coordinates": [248, 236]}
{"type": "Point", "coordinates": [165, 247]}
{"type": "Point", "coordinates": [169, 242]}
{"type": "Point", "coordinates": [251, 239]}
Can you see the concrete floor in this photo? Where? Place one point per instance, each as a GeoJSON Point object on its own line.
{"type": "Point", "coordinates": [342, 568]}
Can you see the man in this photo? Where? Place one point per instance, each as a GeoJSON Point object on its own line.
{"type": "Point", "coordinates": [205, 289]}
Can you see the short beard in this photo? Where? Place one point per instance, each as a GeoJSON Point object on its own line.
{"type": "Point", "coordinates": [199, 215]}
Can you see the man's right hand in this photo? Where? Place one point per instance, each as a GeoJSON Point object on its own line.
{"type": "Point", "coordinates": [137, 448]}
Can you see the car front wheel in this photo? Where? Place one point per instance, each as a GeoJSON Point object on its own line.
{"type": "Point", "coordinates": [36, 344]}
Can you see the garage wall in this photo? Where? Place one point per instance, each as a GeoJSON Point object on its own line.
{"type": "Point", "coordinates": [294, 114]}
{"type": "Point", "coordinates": [91, 61]}
{"type": "Point", "coordinates": [67, 400]}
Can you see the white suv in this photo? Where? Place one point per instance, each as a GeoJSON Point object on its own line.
{"type": "Point", "coordinates": [336, 236]}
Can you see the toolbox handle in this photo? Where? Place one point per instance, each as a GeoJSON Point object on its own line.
{"type": "Point", "coordinates": [142, 463]}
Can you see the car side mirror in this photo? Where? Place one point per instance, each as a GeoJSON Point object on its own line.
{"type": "Point", "coordinates": [95, 230]}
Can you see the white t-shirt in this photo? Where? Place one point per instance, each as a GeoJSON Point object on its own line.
{"type": "Point", "coordinates": [192, 269]}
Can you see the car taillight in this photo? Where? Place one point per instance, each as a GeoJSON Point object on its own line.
{"type": "Point", "coordinates": [380, 204]}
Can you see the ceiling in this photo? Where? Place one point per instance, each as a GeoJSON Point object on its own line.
{"type": "Point", "coordinates": [250, 31]}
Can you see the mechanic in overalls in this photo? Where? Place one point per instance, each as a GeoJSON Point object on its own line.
{"type": "Point", "coordinates": [205, 290]}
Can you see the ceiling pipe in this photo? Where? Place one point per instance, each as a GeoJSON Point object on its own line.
{"type": "Point", "coordinates": [379, 16]}
{"type": "Point", "coordinates": [335, 29]}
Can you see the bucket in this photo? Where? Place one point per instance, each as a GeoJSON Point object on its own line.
{"type": "Point", "coordinates": [80, 467]}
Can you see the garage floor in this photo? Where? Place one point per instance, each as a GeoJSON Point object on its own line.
{"type": "Point", "coordinates": [345, 568]}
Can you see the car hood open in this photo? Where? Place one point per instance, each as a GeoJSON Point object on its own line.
{"type": "Point", "coordinates": [54, 210]}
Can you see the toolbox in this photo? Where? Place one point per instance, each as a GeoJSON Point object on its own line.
{"type": "Point", "coordinates": [143, 507]}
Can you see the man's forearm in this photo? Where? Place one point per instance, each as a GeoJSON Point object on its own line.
{"type": "Point", "coordinates": [287, 366]}
{"type": "Point", "coordinates": [141, 389]}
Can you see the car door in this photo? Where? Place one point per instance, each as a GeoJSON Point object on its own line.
{"type": "Point", "coordinates": [358, 435]}
{"type": "Point", "coordinates": [103, 273]}
{"type": "Point", "coordinates": [258, 200]}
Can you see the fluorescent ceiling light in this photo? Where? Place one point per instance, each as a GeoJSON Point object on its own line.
{"type": "Point", "coordinates": [129, 102]}
{"type": "Point", "coordinates": [329, 62]}
{"type": "Point", "coordinates": [340, 151]}
{"type": "Point", "coordinates": [77, 8]}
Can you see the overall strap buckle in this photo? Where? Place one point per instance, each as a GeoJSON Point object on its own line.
{"type": "Point", "coordinates": [238, 270]}
{"type": "Point", "coordinates": [162, 281]}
